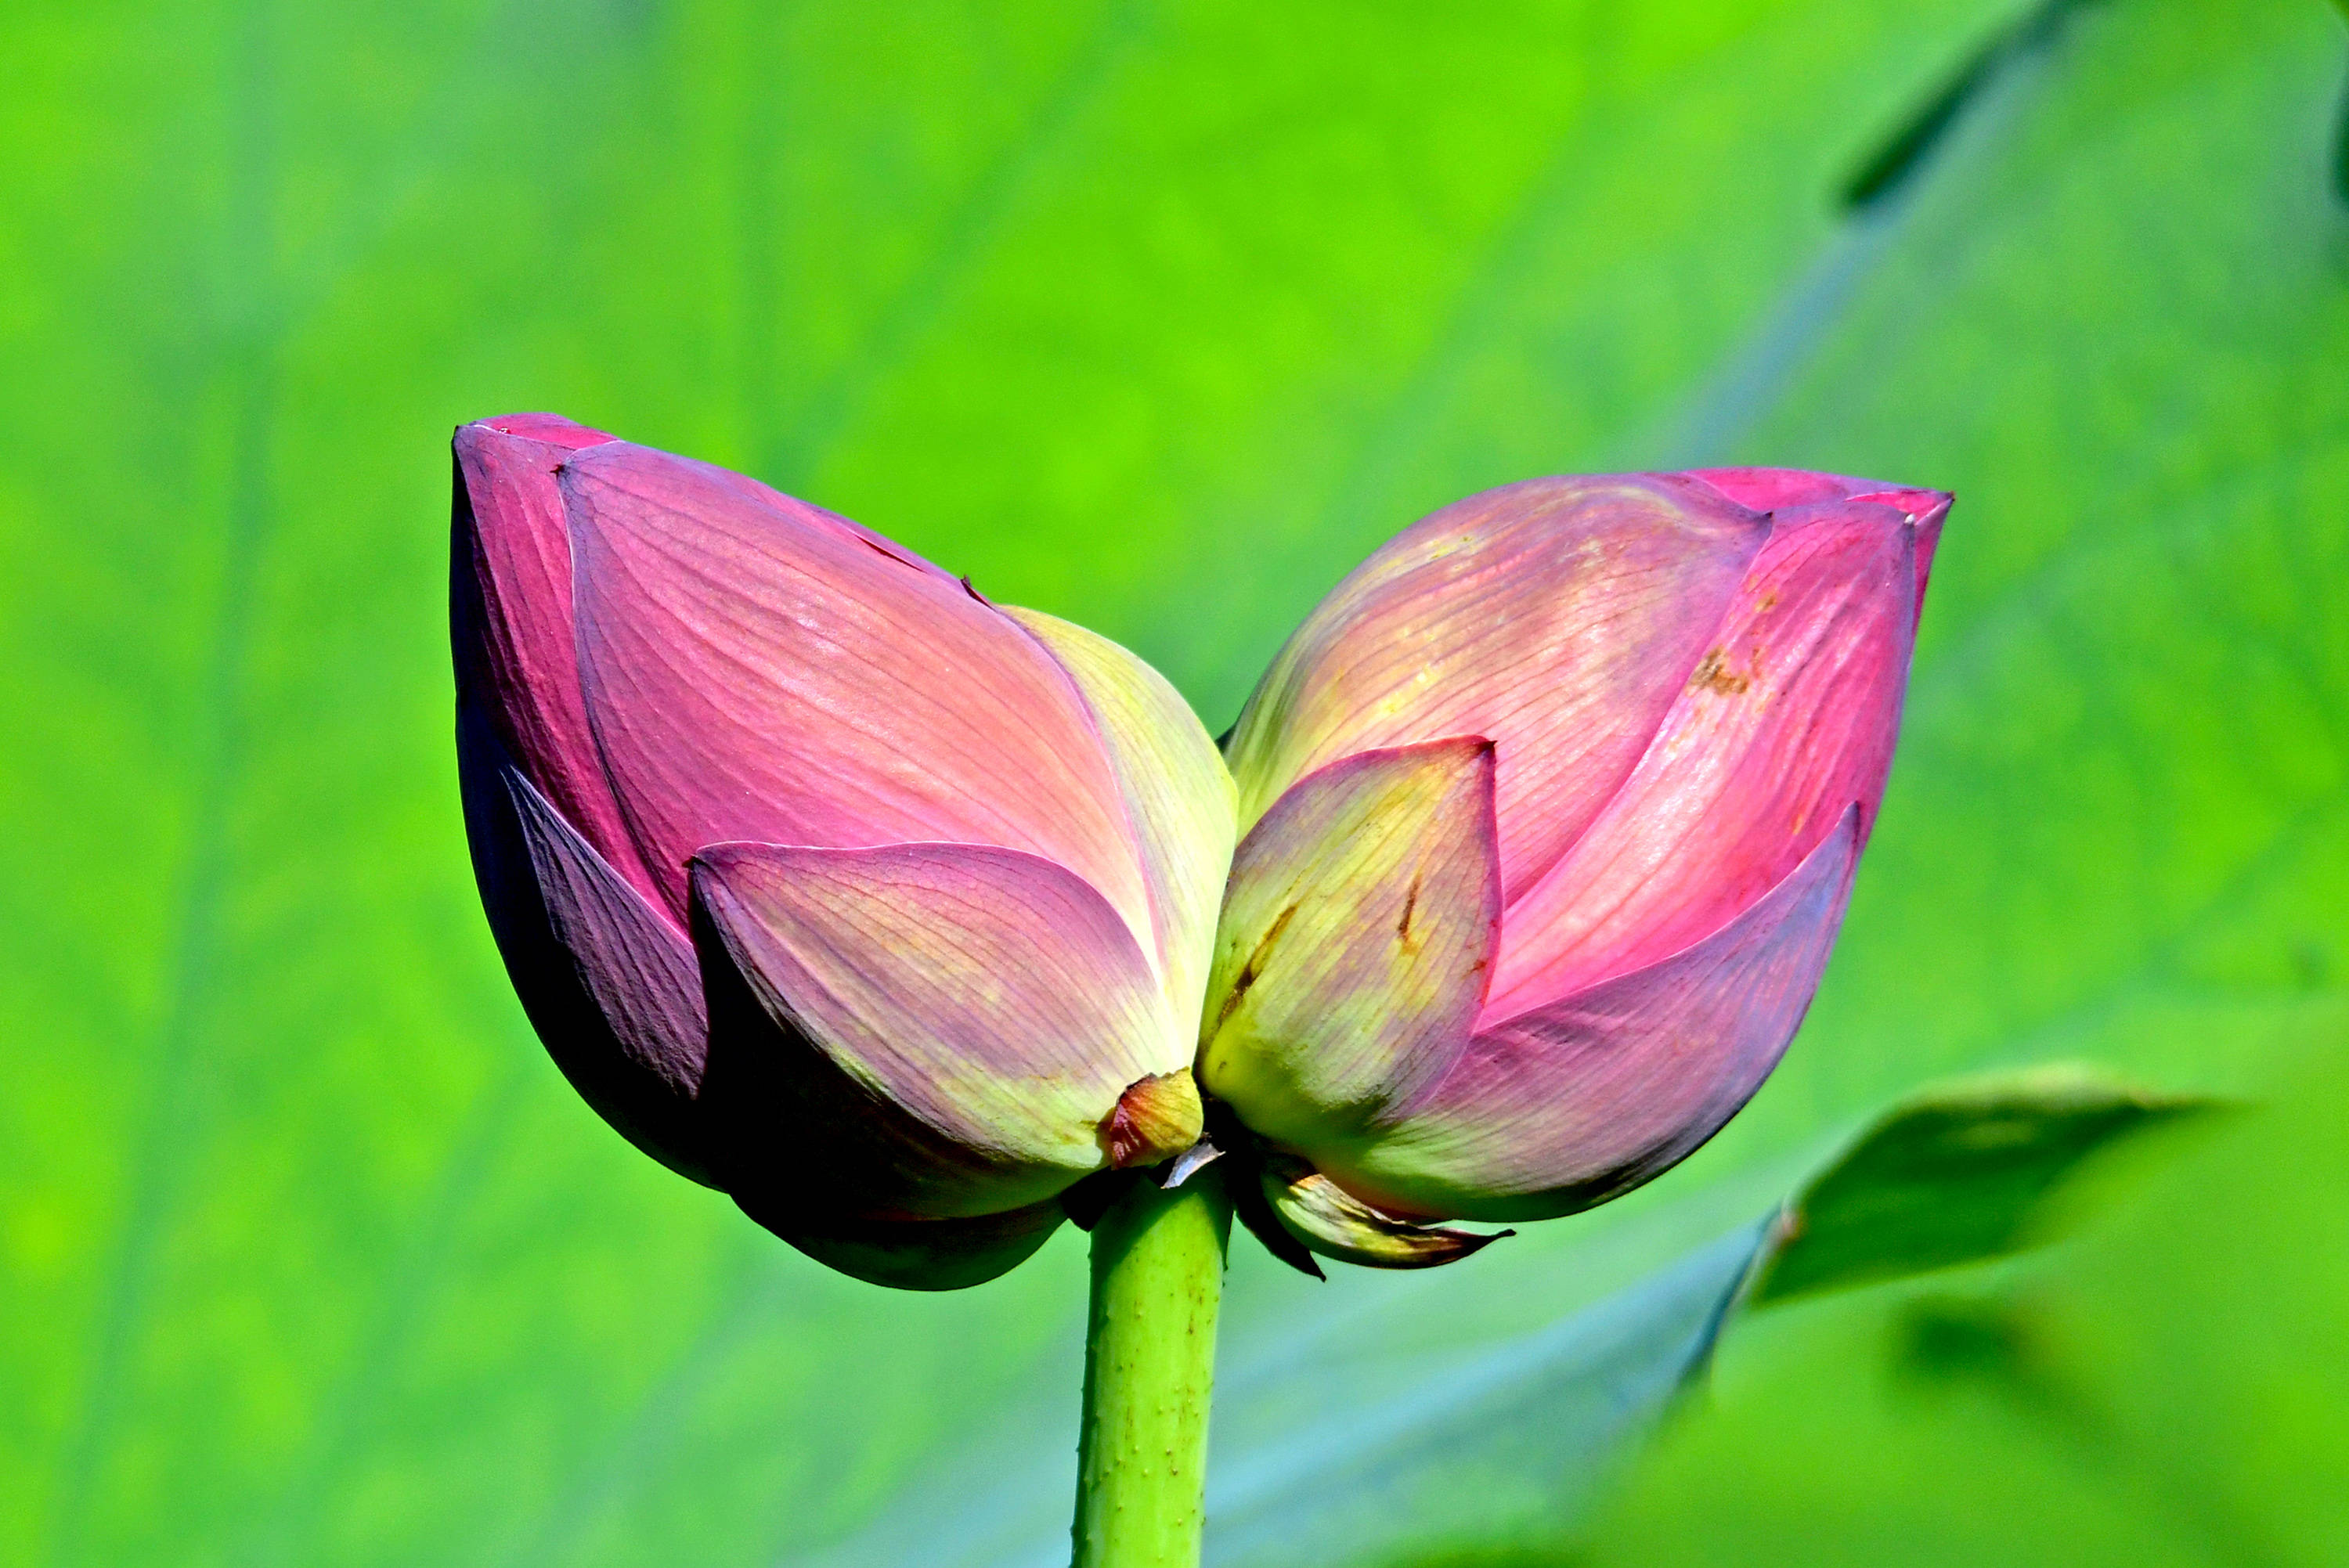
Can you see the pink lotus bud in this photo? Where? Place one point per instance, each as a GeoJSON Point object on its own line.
{"type": "Point", "coordinates": [1552, 810]}
{"type": "Point", "coordinates": [824, 879]}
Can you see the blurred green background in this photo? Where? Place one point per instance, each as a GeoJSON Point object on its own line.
{"type": "Point", "coordinates": [1158, 316]}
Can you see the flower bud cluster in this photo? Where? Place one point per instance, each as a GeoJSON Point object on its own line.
{"type": "Point", "coordinates": [897, 914]}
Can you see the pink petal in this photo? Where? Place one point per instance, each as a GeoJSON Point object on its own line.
{"type": "Point", "coordinates": [934, 1029]}
{"type": "Point", "coordinates": [757, 670]}
{"type": "Point", "coordinates": [510, 614]}
{"type": "Point", "coordinates": [608, 983]}
{"type": "Point", "coordinates": [1787, 721]}
{"type": "Point", "coordinates": [1178, 794]}
{"type": "Point", "coordinates": [1558, 617]}
{"type": "Point", "coordinates": [1356, 939]}
{"type": "Point", "coordinates": [1561, 1109]}
{"type": "Point", "coordinates": [1769, 489]}
{"type": "Point", "coordinates": [552, 429]}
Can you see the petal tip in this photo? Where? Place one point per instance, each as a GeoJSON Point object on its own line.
{"type": "Point", "coordinates": [1771, 489]}
{"type": "Point", "coordinates": [549, 429]}
{"type": "Point", "coordinates": [1925, 508]}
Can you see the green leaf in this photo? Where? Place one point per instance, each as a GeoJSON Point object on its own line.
{"type": "Point", "coordinates": [1157, 316]}
{"type": "Point", "coordinates": [2168, 1392]}
{"type": "Point", "coordinates": [1404, 1446]}
{"type": "Point", "coordinates": [1951, 1176]}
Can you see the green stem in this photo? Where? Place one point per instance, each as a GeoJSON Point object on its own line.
{"type": "Point", "coordinates": [1150, 1368]}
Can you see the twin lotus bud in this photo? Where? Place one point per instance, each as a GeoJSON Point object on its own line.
{"type": "Point", "coordinates": [897, 914]}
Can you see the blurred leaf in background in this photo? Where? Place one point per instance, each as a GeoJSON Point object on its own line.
{"type": "Point", "coordinates": [1156, 315]}
{"type": "Point", "coordinates": [2168, 1392]}
{"type": "Point", "coordinates": [1949, 1176]}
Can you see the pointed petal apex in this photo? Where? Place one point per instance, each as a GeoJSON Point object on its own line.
{"type": "Point", "coordinates": [510, 620]}
{"type": "Point", "coordinates": [1925, 510]}
{"type": "Point", "coordinates": [1789, 719]}
{"type": "Point", "coordinates": [1156, 1119]}
{"type": "Point", "coordinates": [1332, 1222]}
{"type": "Point", "coordinates": [1779, 490]}
{"type": "Point", "coordinates": [1772, 489]}
{"type": "Point", "coordinates": [552, 429]}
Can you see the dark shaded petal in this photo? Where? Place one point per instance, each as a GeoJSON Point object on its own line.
{"type": "Point", "coordinates": [917, 1255]}
{"type": "Point", "coordinates": [610, 986]}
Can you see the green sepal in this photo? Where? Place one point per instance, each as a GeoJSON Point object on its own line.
{"type": "Point", "coordinates": [1332, 1222]}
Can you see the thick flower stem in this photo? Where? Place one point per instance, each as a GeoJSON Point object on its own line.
{"type": "Point", "coordinates": [1150, 1366]}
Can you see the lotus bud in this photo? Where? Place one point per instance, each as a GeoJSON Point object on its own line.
{"type": "Point", "coordinates": [827, 882]}
{"type": "Point", "coordinates": [1550, 813]}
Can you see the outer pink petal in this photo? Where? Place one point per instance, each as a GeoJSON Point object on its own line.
{"type": "Point", "coordinates": [1559, 617]}
{"type": "Point", "coordinates": [1788, 719]}
{"type": "Point", "coordinates": [974, 1013]}
{"type": "Point", "coordinates": [1561, 1109]}
{"type": "Point", "coordinates": [510, 617]}
{"type": "Point", "coordinates": [608, 983]}
{"type": "Point", "coordinates": [1770, 490]}
{"type": "Point", "coordinates": [755, 669]}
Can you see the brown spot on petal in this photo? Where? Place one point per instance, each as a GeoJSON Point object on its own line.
{"type": "Point", "coordinates": [1402, 926]}
{"type": "Point", "coordinates": [1253, 968]}
{"type": "Point", "coordinates": [1712, 675]}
